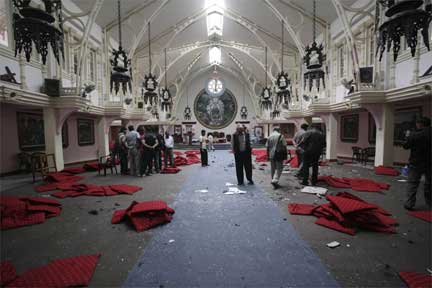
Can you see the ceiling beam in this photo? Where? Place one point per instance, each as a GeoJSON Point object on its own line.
{"type": "Point", "coordinates": [129, 14]}
{"type": "Point", "coordinates": [304, 12]}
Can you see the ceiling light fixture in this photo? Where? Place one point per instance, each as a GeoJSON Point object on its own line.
{"type": "Point", "coordinates": [34, 25]}
{"type": "Point", "coordinates": [150, 84]}
{"type": "Point", "coordinates": [187, 111]}
{"type": "Point", "coordinates": [404, 18]}
{"type": "Point", "coordinates": [282, 81]}
{"type": "Point", "coordinates": [165, 94]}
{"type": "Point", "coordinates": [266, 94]}
{"type": "Point", "coordinates": [243, 109]}
{"type": "Point", "coordinates": [120, 65]}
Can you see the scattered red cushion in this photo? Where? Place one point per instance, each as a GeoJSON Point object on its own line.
{"type": "Point", "coordinates": [424, 215]}
{"type": "Point", "coordinates": [333, 224]}
{"type": "Point", "coordinates": [144, 215]}
{"type": "Point", "coordinates": [46, 187]}
{"type": "Point", "coordinates": [301, 209]}
{"type": "Point", "coordinates": [390, 171]}
{"type": "Point", "coordinates": [170, 170]}
{"type": "Point", "coordinates": [63, 177]}
{"type": "Point", "coordinates": [125, 189]}
{"type": "Point", "coordinates": [7, 273]}
{"type": "Point", "coordinates": [358, 184]}
{"type": "Point", "coordinates": [74, 170]}
{"type": "Point", "coordinates": [416, 280]}
{"type": "Point", "coordinates": [345, 205]}
{"type": "Point", "coordinates": [73, 271]}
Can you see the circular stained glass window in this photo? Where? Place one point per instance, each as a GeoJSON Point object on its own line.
{"type": "Point", "coordinates": [215, 87]}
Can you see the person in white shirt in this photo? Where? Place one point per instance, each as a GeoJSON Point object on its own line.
{"type": "Point", "coordinates": [169, 147]}
{"type": "Point", "coordinates": [203, 148]}
{"type": "Point", "coordinates": [210, 142]}
{"type": "Point", "coordinates": [277, 152]}
{"type": "Point", "coordinates": [132, 138]}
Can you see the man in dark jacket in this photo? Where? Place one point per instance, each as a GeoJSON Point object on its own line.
{"type": "Point", "coordinates": [419, 142]}
{"type": "Point", "coordinates": [242, 150]}
{"type": "Point", "coordinates": [313, 143]}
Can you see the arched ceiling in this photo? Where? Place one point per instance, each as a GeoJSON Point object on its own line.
{"type": "Point", "coordinates": [180, 26]}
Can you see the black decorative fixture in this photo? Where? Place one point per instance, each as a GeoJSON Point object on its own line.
{"type": "Point", "coordinates": [282, 81]}
{"type": "Point", "coordinates": [34, 25]}
{"type": "Point", "coordinates": [187, 111]}
{"type": "Point", "coordinates": [266, 94]}
{"type": "Point", "coordinates": [120, 64]}
{"type": "Point", "coordinates": [314, 59]}
{"type": "Point", "coordinates": [243, 109]}
{"type": "Point", "coordinates": [404, 18]}
{"type": "Point", "coordinates": [150, 84]}
{"type": "Point", "coordinates": [164, 93]}
{"type": "Point", "coordinates": [275, 113]}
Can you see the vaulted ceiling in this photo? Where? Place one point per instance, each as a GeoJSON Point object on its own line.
{"type": "Point", "coordinates": [181, 27]}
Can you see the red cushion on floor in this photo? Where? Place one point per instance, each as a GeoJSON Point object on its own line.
{"type": "Point", "coordinates": [127, 189]}
{"type": "Point", "coordinates": [40, 200]}
{"type": "Point", "coordinates": [301, 209]}
{"type": "Point", "coordinates": [416, 280]}
{"type": "Point", "coordinates": [118, 216]}
{"type": "Point", "coordinates": [366, 185]}
{"type": "Point", "coordinates": [345, 205]}
{"type": "Point", "coordinates": [424, 215]}
{"type": "Point", "coordinates": [335, 182]}
{"type": "Point", "coordinates": [25, 220]}
{"type": "Point", "coordinates": [7, 273]}
{"type": "Point", "coordinates": [192, 152]}
{"type": "Point", "coordinates": [351, 196]}
{"type": "Point", "coordinates": [92, 166]}
{"type": "Point", "coordinates": [148, 206]}
{"type": "Point", "coordinates": [333, 213]}
{"type": "Point", "coordinates": [63, 177]}
{"type": "Point", "coordinates": [50, 211]}
{"type": "Point", "coordinates": [170, 170]}
{"type": "Point", "coordinates": [390, 171]}
{"type": "Point", "coordinates": [74, 170]}
{"type": "Point", "coordinates": [334, 225]}
{"type": "Point", "coordinates": [74, 271]}
{"type": "Point", "coordinates": [46, 187]}
{"type": "Point", "coordinates": [294, 162]}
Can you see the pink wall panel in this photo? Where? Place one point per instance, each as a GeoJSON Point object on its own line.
{"type": "Point", "coordinates": [344, 148]}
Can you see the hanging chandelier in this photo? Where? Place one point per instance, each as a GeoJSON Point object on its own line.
{"type": "Point", "coordinates": [314, 59]}
{"type": "Point", "coordinates": [243, 109]}
{"type": "Point", "coordinates": [164, 93]}
{"type": "Point", "coordinates": [187, 114]}
{"type": "Point", "coordinates": [266, 94]}
{"type": "Point", "coordinates": [120, 65]}
{"type": "Point", "coordinates": [34, 25]}
{"type": "Point", "coordinates": [404, 18]}
{"type": "Point", "coordinates": [282, 80]}
{"type": "Point", "coordinates": [150, 84]}
{"type": "Point", "coordinates": [275, 113]}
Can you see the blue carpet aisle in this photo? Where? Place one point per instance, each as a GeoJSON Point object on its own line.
{"type": "Point", "coordinates": [226, 240]}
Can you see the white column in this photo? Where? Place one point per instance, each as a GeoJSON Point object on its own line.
{"type": "Point", "coordinates": [103, 136]}
{"type": "Point", "coordinates": [331, 137]}
{"type": "Point", "coordinates": [384, 137]}
{"type": "Point", "coordinates": [53, 140]}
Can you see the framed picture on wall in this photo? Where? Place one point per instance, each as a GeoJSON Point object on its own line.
{"type": "Point", "coordinates": [178, 129]}
{"type": "Point", "coordinates": [371, 129]}
{"type": "Point", "coordinates": [65, 134]}
{"type": "Point", "coordinates": [85, 128]}
{"type": "Point", "coordinates": [404, 120]}
{"type": "Point", "coordinates": [259, 131]}
{"type": "Point", "coordinates": [31, 135]}
{"type": "Point", "coordinates": [349, 128]}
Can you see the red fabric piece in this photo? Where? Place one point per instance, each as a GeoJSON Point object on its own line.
{"type": "Point", "coordinates": [17, 212]}
{"type": "Point", "coordinates": [416, 280]}
{"type": "Point", "coordinates": [390, 171]}
{"type": "Point", "coordinates": [63, 177]}
{"type": "Point", "coordinates": [46, 187]}
{"type": "Point", "coordinates": [366, 185]}
{"type": "Point", "coordinates": [294, 162]}
{"type": "Point", "coordinates": [170, 170]}
{"type": "Point", "coordinates": [7, 273]}
{"type": "Point", "coordinates": [332, 212]}
{"type": "Point", "coordinates": [74, 170]}
{"type": "Point", "coordinates": [144, 215]}
{"type": "Point", "coordinates": [261, 155]}
{"type": "Point", "coordinates": [178, 153]}
{"type": "Point", "coordinates": [301, 209]}
{"type": "Point", "coordinates": [424, 215]}
{"type": "Point", "coordinates": [346, 206]}
{"type": "Point", "coordinates": [192, 152]}
{"type": "Point", "coordinates": [92, 166]}
{"type": "Point", "coordinates": [73, 271]}
{"type": "Point", "coordinates": [125, 189]}
{"type": "Point", "coordinates": [332, 224]}
{"type": "Point", "coordinates": [334, 182]}
{"type": "Point", "coordinates": [350, 196]}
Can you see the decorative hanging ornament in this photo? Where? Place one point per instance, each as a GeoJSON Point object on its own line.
{"type": "Point", "coordinates": [165, 94]}
{"type": "Point", "coordinates": [150, 84]}
{"type": "Point", "coordinates": [266, 94]}
{"type": "Point", "coordinates": [187, 111]}
{"type": "Point", "coordinates": [404, 18]}
{"type": "Point", "coordinates": [34, 25]}
{"type": "Point", "coordinates": [314, 59]}
{"type": "Point", "coordinates": [243, 109]}
{"type": "Point", "coordinates": [121, 73]}
{"type": "Point", "coordinates": [282, 81]}
{"type": "Point", "coordinates": [275, 113]}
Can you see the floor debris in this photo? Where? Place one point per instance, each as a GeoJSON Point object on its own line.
{"type": "Point", "coordinates": [314, 190]}
{"type": "Point", "coordinates": [202, 191]}
{"type": "Point", "coordinates": [333, 244]}
{"type": "Point", "coordinates": [233, 190]}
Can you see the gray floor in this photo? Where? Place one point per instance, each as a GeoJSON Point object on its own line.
{"type": "Point", "coordinates": [227, 240]}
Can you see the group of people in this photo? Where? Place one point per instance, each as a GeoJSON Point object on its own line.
{"type": "Point", "coordinates": [140, 152]}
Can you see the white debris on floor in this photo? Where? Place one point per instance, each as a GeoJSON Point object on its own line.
{"type": "Point", "coordinates": [333, 244]}
{"type": "Point", "coordinates": [314, 190]}
{"type": "Point", "coordinates": [234, 190]}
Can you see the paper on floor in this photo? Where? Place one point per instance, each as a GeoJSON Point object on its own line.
{"type": "Point", "coordinates": [314, 190]}
{"type": "Point", "coordinates": [229, 184]}
{"type": "Point", "coordinates": [202, 191]}
{"type": "Point", "coordinates": [234, 190]}
{"type": "Point", "coordinates": [333, 244]}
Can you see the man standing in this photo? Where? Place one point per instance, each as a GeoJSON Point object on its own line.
{"type": "Point", "coordinates": [149, 145]}
{"type": "Point", "coordinates": [122, 151]}
{"type": "Point", "coordinates": [313, 143]}
{"type": "Point", "coordinates": [419, 142]}
{"type": "Point", "coordinates": [132, 138]}
{"type": "Point", "coordinates": [169, 147]}
{"type": "Point", "coordinates": [158, 151]}
{"type": "Point", "coordinates": [277, 153]}
{"type": "Point", "coordinates": [297, 141]}
{"type": "Point", "coordinates": [242, 150]}
{"type": "Point", "coordinates": [210, 141]}
{"type": "Point", "coordinates": [203, 148]}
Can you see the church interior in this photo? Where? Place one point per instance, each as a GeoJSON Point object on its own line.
{"type": "Point", "coordinates": [199, 83]}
